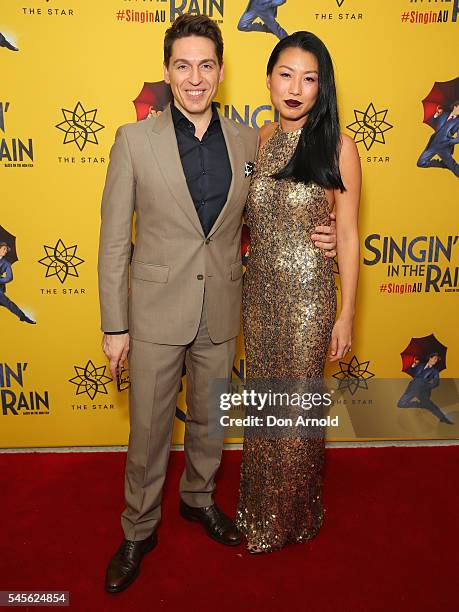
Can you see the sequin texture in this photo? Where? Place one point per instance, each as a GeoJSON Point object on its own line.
{"type": "Point", "coordinates": [289, 306]}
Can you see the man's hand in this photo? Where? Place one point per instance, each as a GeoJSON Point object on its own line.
{"type": "Point", "coordinates": [325, 237]}
{"type": "Point", "coordinates": [116, 348]}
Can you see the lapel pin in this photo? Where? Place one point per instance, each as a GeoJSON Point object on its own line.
{"type": "Point", "coordinates": [248, 168]}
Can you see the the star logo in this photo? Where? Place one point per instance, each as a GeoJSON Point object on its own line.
{"type": "Point", "coordinates": [353, 375]}
{"type": "Point", "coordinates": [369, 126]}
{"type": "Point", "coordinates": [123, 380]}
{"type": "Point", "coordinates": [80, 126]}
{"type": "Point", "coordinates": [91, 380]}
{"type": "Point", "coordinates": [61, 261]}
{"type": "Point", "coordinates": [335, 266]}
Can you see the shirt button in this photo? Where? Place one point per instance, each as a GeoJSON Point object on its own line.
{"type": "Point", "coordinates": [204, 172]}
{"type": "Point", "coordinates": [200, 276]}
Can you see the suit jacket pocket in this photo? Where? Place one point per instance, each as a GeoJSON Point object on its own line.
{"type": "Point", "coordinates": [149, 272]}
{"type": "Point", "coordinates": [236, 270]}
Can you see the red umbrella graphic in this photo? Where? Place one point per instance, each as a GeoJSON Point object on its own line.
{"type": "Point", "coordinates": [442, 94]}
{"type": "Point", "coordinates": [10, 240]}
{"type": "Point", "coordinates": [245, 242]}
{"type": "Point", "coordinates": [421, 348]}
{"type": "Point", "coordinates": [154, 96]}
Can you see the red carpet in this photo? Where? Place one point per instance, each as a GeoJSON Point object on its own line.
{"type": "Point", "coordinates": [389, 541]}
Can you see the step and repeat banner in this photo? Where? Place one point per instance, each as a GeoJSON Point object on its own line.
{"type": "Point", "coordinates": [72, 71]}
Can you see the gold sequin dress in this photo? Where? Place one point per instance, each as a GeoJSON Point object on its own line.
{"type": "Point", "coordinates": [289, 305]}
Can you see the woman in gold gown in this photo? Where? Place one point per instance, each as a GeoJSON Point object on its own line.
{"type": "Point", "coordinates": [305, 169]}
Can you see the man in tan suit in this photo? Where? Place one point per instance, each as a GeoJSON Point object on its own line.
{"type": "Point", "coordinates": [185, 175]}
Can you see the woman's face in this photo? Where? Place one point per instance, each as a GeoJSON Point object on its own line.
{"type": "Point", "coordinates": [294, 84]}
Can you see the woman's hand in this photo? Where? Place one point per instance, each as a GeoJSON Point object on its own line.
{"type": "Point", "coordinates": [341, 338]}
{"type": "Point", "coordinates": [154, 113]}
{"type": "Point", "coordinates": [325, 237]}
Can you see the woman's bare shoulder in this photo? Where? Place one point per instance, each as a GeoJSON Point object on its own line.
{"type": "Point", "coordinates": [266, 131]}
{"type": "Point", "coordinates": [348, 146]}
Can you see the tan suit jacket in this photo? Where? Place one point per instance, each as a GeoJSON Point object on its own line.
{"type": "Point", "coordinates": [173, 261]}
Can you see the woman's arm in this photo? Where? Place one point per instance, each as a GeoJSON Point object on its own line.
{"type": "Point", "coordinates": [347, 210]}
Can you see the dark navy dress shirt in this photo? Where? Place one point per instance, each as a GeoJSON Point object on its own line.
{"type": "Point", "coordinates": [206, 166]}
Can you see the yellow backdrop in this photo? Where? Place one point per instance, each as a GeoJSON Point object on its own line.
{"type": "Point", "coordinates": [85, 62]}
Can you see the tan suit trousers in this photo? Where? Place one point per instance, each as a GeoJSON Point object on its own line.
{"type": "Point", "coordinates": [155, 372]}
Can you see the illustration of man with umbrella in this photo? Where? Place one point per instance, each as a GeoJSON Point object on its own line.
{"type": "Point", "coordinates": [266, 11]}
{"type": "Point", "coordinates": [6, 43]}
{"type": "Point", "coordinates": [425, 373]}
{"type": "Point", "coordinates": [441, 112]}
{"type": "Point", "coordinates": [7, 257]}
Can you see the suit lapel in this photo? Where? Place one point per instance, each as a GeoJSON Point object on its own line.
{"type": "Point", "coordinates": [165, 149]}
{"type": "Point", "coordinates": [235, 150]}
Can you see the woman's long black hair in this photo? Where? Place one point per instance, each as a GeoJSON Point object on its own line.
{"type": "Point", "coordinates": [317, 155]}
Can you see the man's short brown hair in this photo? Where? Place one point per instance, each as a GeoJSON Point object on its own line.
{"type": "Point", "coordinates": [193, 25]}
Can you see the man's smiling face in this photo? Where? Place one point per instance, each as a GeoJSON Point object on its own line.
{"type": "Point", "coordinates": [194, 74]}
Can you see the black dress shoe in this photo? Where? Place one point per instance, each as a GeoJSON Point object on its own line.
{"type": "Point", "coordinates": [218, 526]}
{"type": "Point", "coordinates": [124, 566]}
